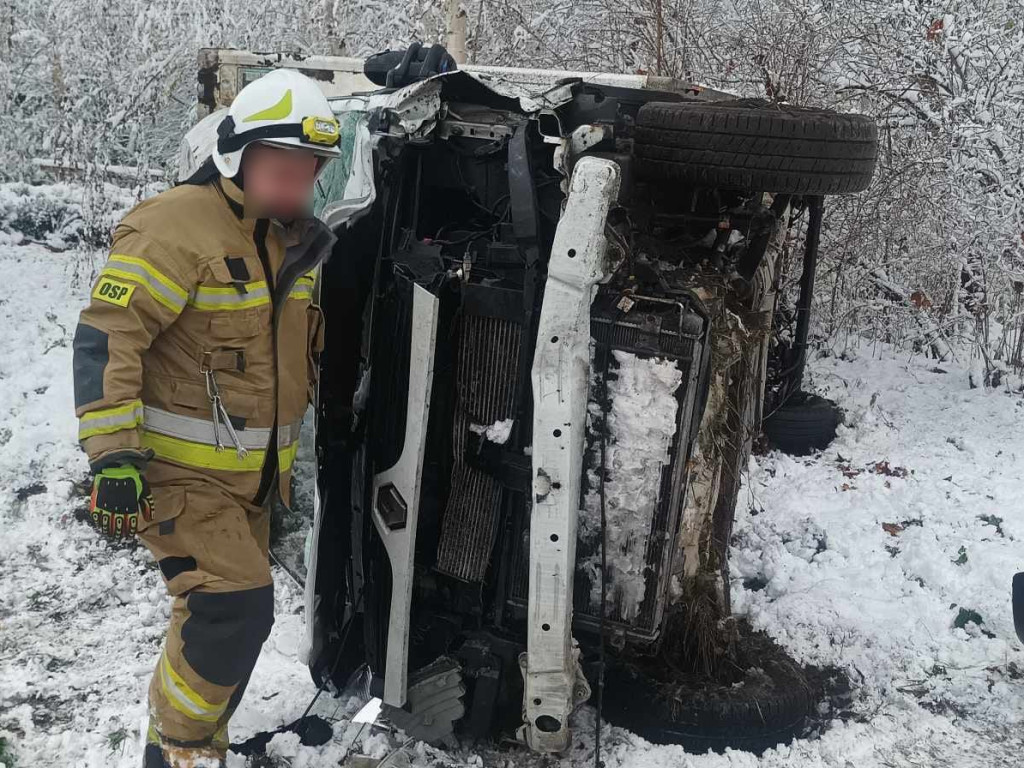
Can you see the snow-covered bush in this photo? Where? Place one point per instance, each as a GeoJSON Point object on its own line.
{"type": "Point", "coordinates": [930, 257]}
{"type": "Point", "coordinates": [62, 216]}
{"type": "Point", "coordinates": [113, 82]}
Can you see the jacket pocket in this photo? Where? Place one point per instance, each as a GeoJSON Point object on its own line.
{"type": "Point", "coordinates": [168, 503]}
{"type": "Point", "coordinates": [193, 396]}
{"type": "Point", "coordinates": [239, 324]}
{"type": "Point", "coordinates": [247, 269]}
{"type": "Point", "coordinates": [234, 296]}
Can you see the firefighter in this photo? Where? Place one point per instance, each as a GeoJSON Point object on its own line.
{"type": "Point", "coordinates": [194, 363]}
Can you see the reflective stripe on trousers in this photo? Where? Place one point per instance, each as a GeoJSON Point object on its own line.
{"type": "Point", "coordinates": [183, 698]}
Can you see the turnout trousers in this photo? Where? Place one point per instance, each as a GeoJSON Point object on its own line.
{"type": "Point", "coordinates": [212, 550]}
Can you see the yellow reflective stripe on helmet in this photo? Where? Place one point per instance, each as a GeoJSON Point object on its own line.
{"type": "Point", "coordinates": [255, 295]}
{"type": "Point", "coordinates": [278, 111]}
{"type": "Point", "coordinates": [201, 455]}
{"type": "Point", "coordinates": [183, 698]}
{"type": "Point", "coordinates": [160, 287]}
{"type": "Point", "coordinates": [105, 421]}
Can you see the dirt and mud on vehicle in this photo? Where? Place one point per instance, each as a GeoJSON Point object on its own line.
{"type": "Point", "coordinates": [552, 313]}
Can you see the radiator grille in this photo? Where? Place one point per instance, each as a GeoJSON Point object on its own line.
{"type": "Point", "coordinates": [486, 384]}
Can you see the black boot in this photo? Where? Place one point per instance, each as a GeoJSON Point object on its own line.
{"type": "Point", "coordinates": [153, 757]}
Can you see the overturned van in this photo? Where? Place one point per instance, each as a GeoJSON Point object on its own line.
{"type": "Point", "coordinates": [549, 348]}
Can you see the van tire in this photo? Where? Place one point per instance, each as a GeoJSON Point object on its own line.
{"type": "Point", "coordinates": [804, 424]}
{"type": "Point", "coordinates": [771, 705]}
{"type": "Point", "coordinates": [753, 145]}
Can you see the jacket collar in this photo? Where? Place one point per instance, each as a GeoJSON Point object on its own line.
{"type": "Point", "coordinates": [311, 243]}
{"type": "Point", "coordinates": [307, 242]}
{"type": "Point", "coordinates": [233, 196]}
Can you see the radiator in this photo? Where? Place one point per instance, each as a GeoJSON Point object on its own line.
{"type": "Point", "coordinates": [486, 384]}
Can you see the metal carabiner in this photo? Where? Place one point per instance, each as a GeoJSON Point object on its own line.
{"type": "Point", "coordinates": [213, 392]}
{"type": "Point", "coordinates": [220, 413]}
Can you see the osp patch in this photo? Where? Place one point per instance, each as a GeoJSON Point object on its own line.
{"type": "Point", "coordinates": [113, 291]}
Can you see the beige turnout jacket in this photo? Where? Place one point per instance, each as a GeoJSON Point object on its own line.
{"type": "Point", "coordinates": [200, 342]}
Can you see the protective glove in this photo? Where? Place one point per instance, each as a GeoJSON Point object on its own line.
{"type": "Point", "coordinates": [120, 495]}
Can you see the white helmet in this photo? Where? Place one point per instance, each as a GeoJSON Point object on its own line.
{"type": "Point", "coordinates": [284, 107]}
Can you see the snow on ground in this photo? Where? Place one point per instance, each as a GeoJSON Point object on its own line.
{"type": "Point", "coordinates": [81, 620]}
{"type": "Point", "coordinates": [892, 554]}
{"type": "Point", "coordinates": [865, 556]}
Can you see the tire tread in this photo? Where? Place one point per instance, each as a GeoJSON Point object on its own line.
{"type": "Point", "coordinates": [751, 145]}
